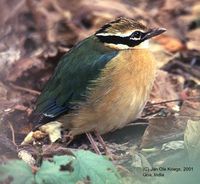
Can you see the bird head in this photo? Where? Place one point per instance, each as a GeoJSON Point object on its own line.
{"type": "Point", "coordinates": [126, 33]}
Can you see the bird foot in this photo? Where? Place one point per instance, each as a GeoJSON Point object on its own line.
{"type": "Point", "coordinates": [108, 153]}
{"type": "Point", "coordinates": [101, 141]}
{"type": "Point", "coordinates": [68, 138]}
{"type": "Point", "coordinates": [93, 143]}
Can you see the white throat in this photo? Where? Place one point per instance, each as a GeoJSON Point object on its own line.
{"type": "Point", "coordinates": [143, 45]}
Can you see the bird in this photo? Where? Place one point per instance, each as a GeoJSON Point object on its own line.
{"type": "Point", "coordinates": [101, 84]}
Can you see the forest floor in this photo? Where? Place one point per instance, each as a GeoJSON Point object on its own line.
{"type": "Point", "coordinates": [34, 35]}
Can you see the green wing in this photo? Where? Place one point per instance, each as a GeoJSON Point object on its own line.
{"type": "Point", "coordinates": [69, 83]}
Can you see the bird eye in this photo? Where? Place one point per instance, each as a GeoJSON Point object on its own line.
{"type": "Point", "coordinates": [137, 34]}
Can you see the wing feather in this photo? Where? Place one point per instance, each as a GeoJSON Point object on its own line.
{"type": "Point", "coordinates": [69, 83]}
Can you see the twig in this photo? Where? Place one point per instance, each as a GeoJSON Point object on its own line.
{"type": "Point", "coordinates": [13, 134]}
{"type": "Point", "coordinates": [34, 92]}
{"type": "Point", "coordinates": [23, 108]}
{"type": "Point", "coordinates": [14, 11]}
{"type": "Point", "coordinates": [189, 116]}
{"type": "Point", "coordinates": [139, 123]}
{"type": "Point", "coordinates": [175, 100]}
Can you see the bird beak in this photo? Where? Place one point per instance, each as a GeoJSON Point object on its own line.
{"type": "Point", "coordinates": [153, 32]}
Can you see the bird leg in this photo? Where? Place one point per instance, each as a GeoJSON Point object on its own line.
{"type": "Point", "coordinates": [101, 141]}
{"type": "Point", "coordinates": [93, 143]}
{"type": "Point", "coordinates": [68, 138]}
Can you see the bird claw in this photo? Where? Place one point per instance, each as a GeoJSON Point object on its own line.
{"type": "Point", "coordinates": [68, 138]}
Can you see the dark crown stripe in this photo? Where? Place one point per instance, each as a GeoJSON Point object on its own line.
{"type": "Point", "coordinates": [106, 26]}
{"type": "Point", "coordinates": [119, 40]}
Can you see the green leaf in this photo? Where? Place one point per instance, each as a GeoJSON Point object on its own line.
{"type": "Point", "coordinates": [191, 139]}
{"type": "Point", "coordinates": [98, 168]}
{"type": "Point", "coordinates": [50, 171]}
{"type": "Point", "coordinates": [84, 166]}
{"type": "Point", "coordinates": [17, 171]}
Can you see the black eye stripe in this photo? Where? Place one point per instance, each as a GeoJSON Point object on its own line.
{"type": "Point", "coordinates": [119, 40]}
{"type": "Point", "coordinates": [134, 39]}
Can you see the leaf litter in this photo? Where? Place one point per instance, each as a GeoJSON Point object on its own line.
{"type": "Point", "coordinates": [35, 36]}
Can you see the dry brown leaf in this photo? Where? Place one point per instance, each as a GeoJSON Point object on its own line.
{"type": "Point", "coordinates": [3, 91]}
{"type": "Point", "coordinates": [191, 108]}
{"type": "Point", "coordinates": [23, 65]}
{"type": "Point", "coordinates": [6, 145]}
{"type": "Point", "coordinates": [194, 39]}
{"type": "Point", "coordinates": [196, 9]}
{"type": "Point", "coordinates": [161, 130]}
{"type": "Point", "coordinates": [166, 87]}
{"type": "Point", "coordinates": [9, 10]}
{"type": "Point", "coordinates": [165, 129]}
{"type": "Point", "coordinates": [68, 21]}
{"type": "Point", "coordinates": [170, 43]}
{"type": "Point", "coordinates": [171, 5]}
{"type": "Point", "coordinates": [7, 59]}
{"type": "Point", "coordinates": [90, 15]}
{"type": "Point", "coordinates": [161, 54]}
